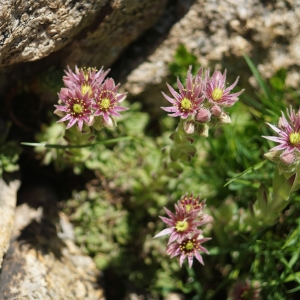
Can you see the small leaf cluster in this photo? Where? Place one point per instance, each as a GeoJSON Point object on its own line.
{"type": "Point", "coordinates": [9, 152]}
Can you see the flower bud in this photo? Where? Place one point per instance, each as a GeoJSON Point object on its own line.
{"type": "Point", "coordinates": [110, 122]}
{"type": "Point", "coordinates": [202, 129]}
{"type": "Point", "coordinates": [216, 111]}
{"type": "Point", "coordinates": [203, 115]}
{"type": "Point", "coordinates": [272, 156]}
{"type": "Point", "coordinates": [189, 127]}
{"type": "Point", "coordinates": [224, 118]}
{"type": "Point", "coordinates": [287, 158]}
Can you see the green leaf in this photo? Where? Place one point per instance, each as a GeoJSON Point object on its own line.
{"type": "Point", "coordinates": [257, 76]}
{"type": "Point", "coordinates": [247, 171]}
{"type": "Point", "coordinates": [45, 145]}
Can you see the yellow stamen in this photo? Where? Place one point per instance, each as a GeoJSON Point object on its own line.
{"type": "Point", "coordinates": [86, 73]}
{"type": "Point", "coordinates": [181, 226]}
{"type": "Point", "coordinates": [186, 104]}
{"type": "Point", "coordinates": [105, 104]}
{"type": "Point", "coordinates": [189, 246]}
{"type": "Point", "coordinates": [77, 108]}
{"type": "Point", "coordinates": [217, 94]}
{"type": "Point", "coordinates": [295, 138]}
{"type": "Point", "coordinates": [188, 207]}
{"type": "Point", "coordinates": [86, 88]}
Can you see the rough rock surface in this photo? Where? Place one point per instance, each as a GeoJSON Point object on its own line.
{"type": "Point", "coordinates": [96, 31]}
{"type": "Point", "coordinates": [43, 262]}
{"type": "Point", "coordinates": [8, 196]}
{"type": "Point", "coordinates": [219, 32]}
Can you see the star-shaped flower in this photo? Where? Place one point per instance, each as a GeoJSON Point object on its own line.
{"type": "Point", "coordinates": [189, 99]}
{"type": "Point", "coordinates": [181, 224]}
{"type": "Point", "coordinates": [87, 80]}
{"type": "Point", "coordinates": [107, 100]}
{"type": "Point", "coordinates": [74, 107]}
{"type": "Point", "coordinates": [190, 248]}
{"type": "Point", "coordinates": [216, 91]}
{"type": "Point", "coordinates": [289, 134]}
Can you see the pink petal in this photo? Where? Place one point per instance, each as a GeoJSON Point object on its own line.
{"type": "Point", "coordinates": [164, 232]}
{"type": "Point", "coordinates": [199, 257]}
{"type": "Point", "coordinates": [71, 123]}
{"type": "Point", "coordinates": [169, 98]}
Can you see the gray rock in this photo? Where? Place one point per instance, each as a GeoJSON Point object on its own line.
{"type": "Point", "coordinates": [95, 31]}
{"type": "Point", "coordinates": [220, 32]}
{"type": "Point", "coordinates": [43, 262]}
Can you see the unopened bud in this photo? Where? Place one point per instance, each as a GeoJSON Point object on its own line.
{"type": "Point", "coordinates": [110, 122]}
{"type": "Point", "coordinates": [189, 127]}
{"type": "Point", "coordinates": [272, 156]}
{"type": "Point", "coordinates": [216, 111]}
{"type": "Point", "coordinates": [224, 118]}
{"type": "Point", "coordinates": [202, 129]}
{"type": "Point", "coordinates": [203, 115]}
{"type": "Point", "coordinates": [287, 158]}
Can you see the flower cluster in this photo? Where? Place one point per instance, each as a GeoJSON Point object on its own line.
{"type": "Point", "coordinates": [190, 104]}
{"type": "Point", "coordinates": [287, 153]}
{"type": "Point", "coordinates": [86, 96]}
{"type": "Point", "coordinates": [185, 237]}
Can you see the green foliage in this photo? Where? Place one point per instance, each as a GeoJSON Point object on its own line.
{"type": "Point", "coordinates": [276, 258]}
{"type": "Point", "coordinates": [101, 227]}
{"type": "Point", "coordinates": [9, 153]}
{"type": "Point", "coordinates": [182, 60]}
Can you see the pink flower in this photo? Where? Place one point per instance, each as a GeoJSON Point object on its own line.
{"type": "Point", "coordinates": [216, 91]}
{"type": "Point", "coordinates": [189, 203]}
{"type": "Point", "coordinates": [75, 108]}
{"type": "Point", "coordinates": [87, 80]}
{"type": "Point", "coordinates": [289, 135]}
{"type": "Point", "coordinates": [189, 248]}
{"type": "Point", "coordinates": [107, 100]}
{"type": "Point", "coordinates": [188, 100]}
{"type": "Point", "coordinates": [181, 224]}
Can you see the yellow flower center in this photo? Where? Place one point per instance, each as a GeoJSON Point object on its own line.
{"type": "Point", "coordinates": [86, 73]}
{"type": "Point", "coordinates": [77, 108]}
{"type": "Point", "coordinates": [181, 226]}
{"type": "Point", "coordinates": [217, 94]}
{"type": "Point", "coordinates": [295, 138]}
{"type": "Point", "coordinates": [86, 88]}
{"type": "Point", "coordinates": [186, 104]}
{"type": "Point", "coordinates": [189, 246]}
{"type": "Point", "coordinates": [105, 103]}
{"type": "Point", "coordinates": [188, 207]}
